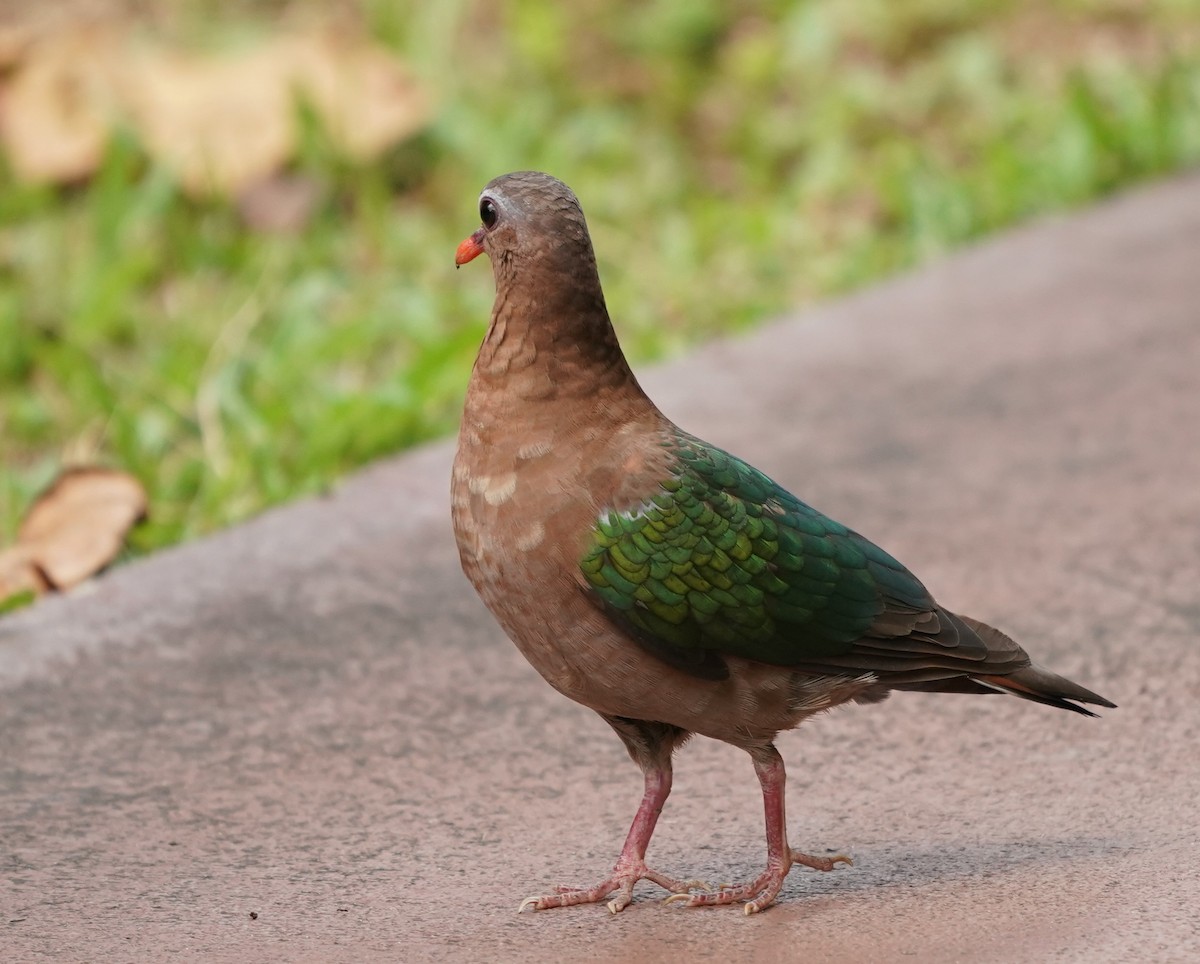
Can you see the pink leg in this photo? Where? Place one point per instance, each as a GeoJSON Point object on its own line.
{"type": "Point", "coordinates": [631, 864]}
{"type": "Point", "coordinates": [761, 892]}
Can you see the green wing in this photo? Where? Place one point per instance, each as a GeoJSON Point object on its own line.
{"type": "Point", "coordinates": [722, 560]}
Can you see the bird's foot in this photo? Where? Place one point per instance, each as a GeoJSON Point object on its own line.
{"type": "Point", "coordinates": [622, 880]}
{"type": "Point", "coordinates": [761, 892]}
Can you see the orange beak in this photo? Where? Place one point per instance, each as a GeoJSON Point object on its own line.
{"type": "Point", "coordinates": [471, 248]}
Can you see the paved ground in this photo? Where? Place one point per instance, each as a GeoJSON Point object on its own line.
{"type": "Point", "coordinates": [310, 719]}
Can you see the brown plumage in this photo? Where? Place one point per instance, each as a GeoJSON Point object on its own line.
{"type": "Point", "coordinates": [662, 582]}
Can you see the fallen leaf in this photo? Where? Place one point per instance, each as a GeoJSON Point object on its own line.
{"type": "Point", "coordinates": [222, 123]}
{"type": "Point", "coordinates": [78, 525]}
{"type": "Point", "coordinates": [14, 39]}
{"type": "Point", "coordinates": [364, 96]}
{"type": "Point", "coordinates": [22, 24]}
{"type": "Point", "coordinates": [219, 123]}
{"type": "Point", "coordinates": [59, 105]}
{"type": "Point", "coordinates": [19, 575]}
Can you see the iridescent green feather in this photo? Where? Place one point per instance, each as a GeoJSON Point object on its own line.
{"type": "Point", "coordinates": [720, 558]}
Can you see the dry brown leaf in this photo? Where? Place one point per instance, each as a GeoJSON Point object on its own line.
{"type": "Point", "coordinates": [59, 105]}
{"type": "Point", "coordinates": [19, 574]}
{"type": "Point", "coordinates": [14, 39]}
{"type": "Point", "coordinates": [223, 124]}
{"type": "Point", "coordinates": [366, 99]}
{"type": "Point", "coordinates": [220, 123]}
{"type": "Point", "coordinates": [78, 525]}
{"type": "Point", "coordinates": [22, 23]}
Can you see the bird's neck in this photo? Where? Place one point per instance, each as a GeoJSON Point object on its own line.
{"type": "Point", "coordinates": [557, 344]}
{"type": "Point", "coordinates": [550, 379]}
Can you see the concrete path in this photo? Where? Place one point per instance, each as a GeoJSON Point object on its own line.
{"type": "Point", "coordinates": [304, 739]}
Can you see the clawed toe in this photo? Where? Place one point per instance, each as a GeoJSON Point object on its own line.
{"type": "Point", "coordinates": [677, 886]}
{"type": "Point", "coordinates": [623, 880]}
{"type": "Point", "coordinates": [820, 863]}
{"type": "Point", "coordinates": [763, 890]}
{"type": "Point", "coordinates": [759, 894]}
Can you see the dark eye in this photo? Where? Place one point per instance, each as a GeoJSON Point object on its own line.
{"type": "Point", "coordinates": [487, 212]}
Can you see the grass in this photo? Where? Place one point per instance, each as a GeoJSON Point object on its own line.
{"type": "Point", "coordinates": [735, 160]}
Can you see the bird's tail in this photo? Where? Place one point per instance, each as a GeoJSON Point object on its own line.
{"type": "Point", "coordinates": [1032, 682]}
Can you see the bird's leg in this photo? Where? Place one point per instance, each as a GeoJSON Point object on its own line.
{"type": "Point", "coordinates": [631, 864]}
{"type": "Point", "coordinates": [650, 745]}
{"type": "Point", "coordinates": [761, 892]}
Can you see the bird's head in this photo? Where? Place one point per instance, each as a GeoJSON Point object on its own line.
{"type": "Point", "coordinates": [531, 222]}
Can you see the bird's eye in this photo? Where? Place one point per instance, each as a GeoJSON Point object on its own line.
{"type": "Point", "coordinates": [487, 212]}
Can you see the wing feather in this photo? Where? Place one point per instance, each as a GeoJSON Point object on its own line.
{"type": "Point", "coordinates": [720, 561]}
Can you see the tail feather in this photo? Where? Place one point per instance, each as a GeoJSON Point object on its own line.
{"type": "Point", "coordinates": [1032, 682]}
{"type": "Point", "coordinates": [1042, 686]}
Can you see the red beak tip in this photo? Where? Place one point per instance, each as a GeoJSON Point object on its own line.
{"type": "Point", "coordinates": [468, 250]}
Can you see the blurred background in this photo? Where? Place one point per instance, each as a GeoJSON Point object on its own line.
{"type": "Point", "coordinates": [227, 228]}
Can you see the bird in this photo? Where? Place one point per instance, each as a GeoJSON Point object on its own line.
{"type": "Point", "coordinates": [659, 580]}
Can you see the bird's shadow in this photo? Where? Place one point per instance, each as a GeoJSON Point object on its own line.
{"type": "Point", "coordinates": [881, 868]}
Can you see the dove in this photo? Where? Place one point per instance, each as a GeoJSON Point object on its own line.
{"type": "Point", "coordinates": [660, 581]}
